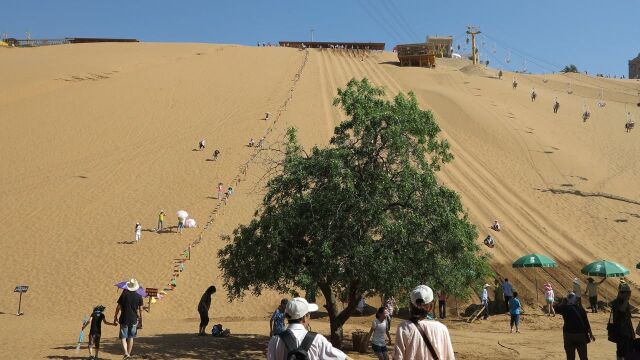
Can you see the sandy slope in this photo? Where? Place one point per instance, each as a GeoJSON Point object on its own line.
{"type": "Point", "coordinates": [97, 137]}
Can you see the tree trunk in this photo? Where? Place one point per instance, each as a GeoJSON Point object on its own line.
{"type": "Point", "coordinates": [336, 318]}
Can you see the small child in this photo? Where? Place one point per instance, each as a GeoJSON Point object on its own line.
{"type": "Point", "coordinates": [138, 231]}
{"type": "Point", "coordinates": [97, 318]}
{"type": "Point", "coordinates": [229, 191]}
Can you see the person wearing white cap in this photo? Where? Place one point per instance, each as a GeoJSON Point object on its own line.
{"type": "Point", "coordinates": [422, 338]}
{"type": "Point", "coordinates": [296, 339]}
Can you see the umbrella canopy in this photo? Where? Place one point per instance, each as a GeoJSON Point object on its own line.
{"type": "Point", "coordinates": [534, 260]}
{"type": "Point", "coordinates": [140, 291]}
{"type": "Point", "coordinates": [605, 268]}
{"type": "Point", "coordinates": [190, 223]}
{"type": "Point", "coordinates": [182, 214]}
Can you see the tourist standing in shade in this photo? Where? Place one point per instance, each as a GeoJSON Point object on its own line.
{"type": "Point", "coordinates": [203, 309]}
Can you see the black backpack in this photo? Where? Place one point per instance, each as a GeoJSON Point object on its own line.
{"type": "Point", "coordinates": [297, 353]}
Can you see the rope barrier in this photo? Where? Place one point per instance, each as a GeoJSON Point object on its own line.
{"type": "Point", "coordinates": [179, 264]}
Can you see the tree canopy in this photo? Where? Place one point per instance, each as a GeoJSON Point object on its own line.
{"type": "Point", "coordinates": [570, 68]}
{"type": "Point", "coordinates": [364, 215]}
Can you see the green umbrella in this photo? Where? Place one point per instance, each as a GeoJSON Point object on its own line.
{"type": "Point", "coordinates": [534, 260]}
{"type": "Point", "coordinates": [605, 268]}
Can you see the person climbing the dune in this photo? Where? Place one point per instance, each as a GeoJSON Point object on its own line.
{"type": "Point", "coordinates": [556, 106]}
{"type": "Point", "coordinates": [514, 85]}
{"type": "Point", "coordinates": [201, 144]}
{"type": "Point", "coordinates": [496, 226]}
{"type": "Point", "coordinates": [534, 95]}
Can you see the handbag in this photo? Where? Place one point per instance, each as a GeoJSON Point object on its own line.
{"type": "Point", "coordinates": [612, 329]}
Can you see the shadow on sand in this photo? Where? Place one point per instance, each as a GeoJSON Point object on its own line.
{"type": "Point", "coordinates": [182, 346]}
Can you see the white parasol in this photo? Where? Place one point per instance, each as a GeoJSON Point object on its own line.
{"type": "Point", "coordinates": [190, 223]}
{"type": "Point", "coordinates": [182, 214]}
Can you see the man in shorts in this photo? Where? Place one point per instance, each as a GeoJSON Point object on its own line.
{"type": "Point", "coordinates": [130, 310]}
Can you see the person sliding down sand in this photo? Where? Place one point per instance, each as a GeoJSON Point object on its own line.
{"type": "Point", "coordinates": [496, 226]}
{"type": "Point", "coordinates": [489, 241]}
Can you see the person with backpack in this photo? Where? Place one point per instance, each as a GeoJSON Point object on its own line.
{"type": "Point", "coordinates": [576, 330]}
{"type": "Point", "coordinates": [379, 328]}
{"type": "Point", "coordinates": [421, 337]}
{"type": "Point", "coordinates": [296, 343]}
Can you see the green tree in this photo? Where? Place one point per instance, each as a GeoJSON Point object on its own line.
{"type": "Point", "coordinates": [365, 215]}
{"type": "Point", "coordinates": [570, 68]}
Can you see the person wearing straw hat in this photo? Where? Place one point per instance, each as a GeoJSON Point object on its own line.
{"type": "Point", "coordinates": [622, 326]}
{"type": "Point", "coordinates": [130, 310]}
{"type": "Point", "coordinates": [421, 337]}
{"type": "Point", "coordinates": [484, 298]}
{"type": "Point", "coordinates": [549, 298]}
{"type": "Point", "coordinates": [296, 338]}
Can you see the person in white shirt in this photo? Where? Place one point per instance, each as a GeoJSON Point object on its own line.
{"type": "Point", "coordinates": [380, 327]}
{"type": "Point", "coordinates": [138, 231]}
{"type": "Point", "coordinates": [297, 312]}
{"type": "Point", "coordinates": [422, 338]}
{"type": "Point", "coordinates": [485, 301]}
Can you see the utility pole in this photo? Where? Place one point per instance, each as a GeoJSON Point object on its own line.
{"type": "Point", "coordinates": [473, 31]}
{"type": "Point", "coordinates": [312, 30]}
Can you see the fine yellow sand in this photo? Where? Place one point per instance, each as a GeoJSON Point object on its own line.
{"type": "Point", "coordinates": [97, 137]}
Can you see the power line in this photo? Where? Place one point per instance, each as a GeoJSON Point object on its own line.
{"type": "Point", "coordinates": [381, 24]}
{"type": "Point", "coordinates": [397, 14]}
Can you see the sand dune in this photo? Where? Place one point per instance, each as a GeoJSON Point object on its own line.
{"type": "Point", "coordinates": [98, 137]}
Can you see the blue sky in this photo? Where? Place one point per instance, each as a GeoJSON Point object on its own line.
{"type": "Point", "coordinates": [541, 36]}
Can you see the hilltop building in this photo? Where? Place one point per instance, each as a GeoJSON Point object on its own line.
{"type": "Point", "coordinates": [425, 54]}
{"type": "Point", "coordinates": [634, 68]}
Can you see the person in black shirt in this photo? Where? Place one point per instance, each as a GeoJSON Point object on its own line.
{"type": "Point", "coordinates": [97, 318]}
{"type": "Point", "coordinates": [203, 309]}
{"type": "Point", "coordinates": [621, 316]}
{"type": "Point", "coordinates": [130, 303]}
{"type": "Point", "coordinates": [576, 330]}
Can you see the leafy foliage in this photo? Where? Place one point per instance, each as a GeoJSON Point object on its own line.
{"type": "Point", "coordinates": [364, 215]}
{"type": "Point", "coordinates": [570, 68]}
